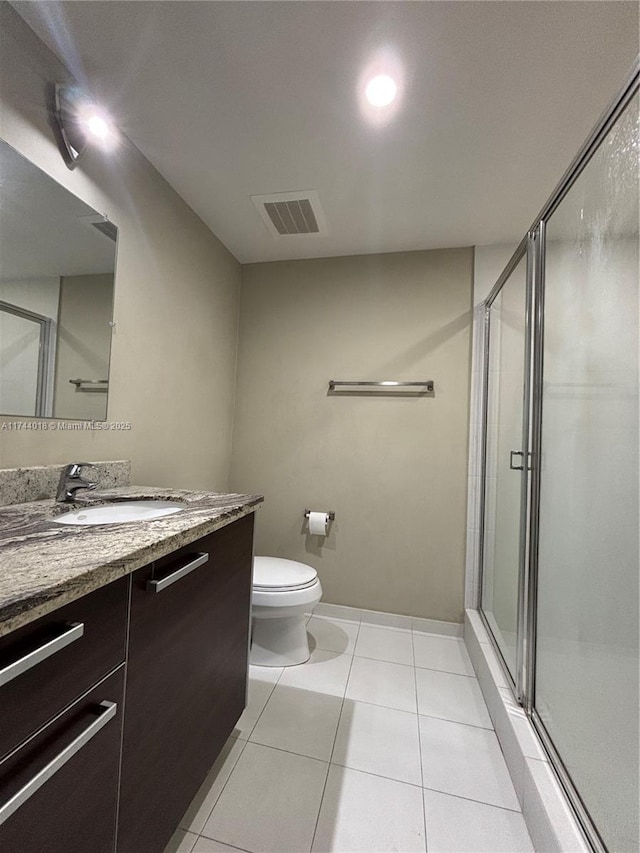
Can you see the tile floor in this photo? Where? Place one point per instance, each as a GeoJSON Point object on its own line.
{"type": "Point", "coordinates": [380, 742]}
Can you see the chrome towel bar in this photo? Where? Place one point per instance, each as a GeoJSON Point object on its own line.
{"type": "Point", "coordinates": [423, 389]}
{"type": "Point", "coordinates": [90, 384]}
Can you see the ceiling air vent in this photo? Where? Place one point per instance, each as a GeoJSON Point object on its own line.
{"type": "Point", "coordinates": [102, 224]}
{"type": "Point", "coordinates": [286, 214]}
{"type": "Point", "coordinates": [107, 228]}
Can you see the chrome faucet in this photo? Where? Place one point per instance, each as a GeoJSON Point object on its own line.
{"type": "Point", "coordinates": [71, 481]}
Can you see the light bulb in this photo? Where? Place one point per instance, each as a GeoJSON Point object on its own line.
{"type": "Point", "coordinates": [381, 90]}
{"type": "Point", "coordinates": [98, 126]}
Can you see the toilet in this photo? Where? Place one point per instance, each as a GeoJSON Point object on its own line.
{"type": "Point", "coordinates": [283, 591]}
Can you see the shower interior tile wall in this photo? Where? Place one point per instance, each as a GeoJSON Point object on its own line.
{"type": "Point", "coordinates": [489, 261]}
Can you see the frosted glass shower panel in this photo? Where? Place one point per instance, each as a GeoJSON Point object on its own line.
{"type": "Point", "coordinates": [586, 686]}
{"type": "Point", "coordinates": [19, 364]}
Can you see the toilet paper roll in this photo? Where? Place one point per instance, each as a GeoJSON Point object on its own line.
{"type": "Point", "coordinates": [318, 523]}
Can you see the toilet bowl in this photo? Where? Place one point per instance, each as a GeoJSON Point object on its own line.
{"type": "Point", "coordinates": [283, 591]}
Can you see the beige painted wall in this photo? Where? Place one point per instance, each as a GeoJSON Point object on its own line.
{"type": "Point", "coordinates": [176, 298]}
{"type": "Point", "coordinates": [394, 470]}
{"type": "Point", "coordinates": [84, 341]}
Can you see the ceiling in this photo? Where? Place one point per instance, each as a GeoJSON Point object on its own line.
{"type": "Point", "coordinates": [234, 99]}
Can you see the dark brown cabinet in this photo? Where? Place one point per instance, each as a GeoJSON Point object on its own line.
{"type": "Point", "coordinates": [114, 708]}
{"type": "Point", "coordinates": [186, 679]}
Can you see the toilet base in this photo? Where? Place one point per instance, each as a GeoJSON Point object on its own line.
{"type": "Point", "coordinates": [279, 642]}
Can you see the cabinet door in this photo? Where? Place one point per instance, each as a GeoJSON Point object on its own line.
{"type": "Point", "coordinates": [74, 810]}
{"type": "Point", "coordinates": [186, 680]}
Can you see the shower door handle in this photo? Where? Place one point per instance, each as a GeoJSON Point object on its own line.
{"type": "Point", "coordinates": [516, 467]}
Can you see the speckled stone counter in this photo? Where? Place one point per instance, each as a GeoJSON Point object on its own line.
{"type": "Point", "coordinates": [37, 482]}
{"type": "Point", "coordinates": [45, 565]}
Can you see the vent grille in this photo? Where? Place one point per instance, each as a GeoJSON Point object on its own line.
{"type": "Point", "coordinates": [292, 217]}
{"type": "Point", "coordinates": [293, 213]}
{"type": "Point", "coordinates": [107, 228]}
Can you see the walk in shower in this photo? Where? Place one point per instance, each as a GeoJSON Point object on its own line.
{"type": "Point", "coordinates": [560, 538]}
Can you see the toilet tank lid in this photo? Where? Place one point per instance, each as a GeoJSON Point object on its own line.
{"type": "Point", "coordinates": [276, 572]}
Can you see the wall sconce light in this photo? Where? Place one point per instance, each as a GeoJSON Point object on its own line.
{"type": "Point", "coordinates": [79, 122]}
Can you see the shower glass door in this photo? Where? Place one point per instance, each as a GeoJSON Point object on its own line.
{"type": "Point", "coordinates": [26, 360]}
{"type": "Point", "coordinates": [504, 460]}
{"type": "Point", "coordinates": [586, 700]}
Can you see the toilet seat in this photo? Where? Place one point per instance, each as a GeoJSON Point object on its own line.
{"type": "Point", "coordinates": [275, 574]}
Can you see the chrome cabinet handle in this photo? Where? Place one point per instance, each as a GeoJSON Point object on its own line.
{"type": "Point", "coordinates": [13, 670]}
{"type": "Point", "coordinates": [163, 583]}
{"type": "Point", "coordinates": [20, 797]}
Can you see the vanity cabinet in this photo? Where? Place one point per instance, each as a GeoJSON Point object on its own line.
{"type": "Point", "coordinates": [114, 708]}
{"type": "Point", "coordinates": [186, 679]}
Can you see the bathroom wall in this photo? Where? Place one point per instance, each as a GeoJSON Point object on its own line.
{"type": "Point", "coordinates": [176, 299]}
{"type": "Point", "coordinates": [84, 340]}
{"type": "Point", "coordinates": [393, 469]}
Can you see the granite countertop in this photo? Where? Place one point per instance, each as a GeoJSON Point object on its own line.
{"type": "Point", "coordinates": [45, 565]}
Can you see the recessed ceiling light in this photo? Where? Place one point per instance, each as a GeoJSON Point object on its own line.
{"type": "Point", "coordinates": [381, 90]}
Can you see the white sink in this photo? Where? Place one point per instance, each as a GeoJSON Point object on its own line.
{"type": "Point", "coordinates": [122, 511]}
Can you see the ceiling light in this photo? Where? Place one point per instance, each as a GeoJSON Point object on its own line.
{"type": "Point", "coordinates": [381, 90]}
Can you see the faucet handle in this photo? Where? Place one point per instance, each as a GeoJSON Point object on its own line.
{"type": "Point", "coordinates": [73, 468]}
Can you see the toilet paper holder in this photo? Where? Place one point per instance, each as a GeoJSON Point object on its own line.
{"type": "Point", "coordinates": [331, 515]}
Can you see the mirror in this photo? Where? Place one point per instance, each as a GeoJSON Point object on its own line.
{"type": "Point", "coordinates": [57, 264]}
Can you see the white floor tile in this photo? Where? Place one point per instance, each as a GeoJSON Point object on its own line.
{"type": "Point", "coordinates": [454, 824]}
{"type": "Point", "coordinates": [196, 815]}
{"type": "Point", "coordinates": [447, 654]}
{"type": "Point", "coordinates": [208, 845]}
{"type": "Point", "coordinates": [381, 683]}
{"type": "Point", "coordinates": [465, 761]}
{"type": "Point", "coordinates": [385, 644]}
{"type": "Point", "coordinates": [324, 672]}
{"type": "Point", "coordinates": [299, 721]}
{"type": "Point", "coordinates": [268, 674]}
{"type": "Point", "coordinates": [259, 692]}
{"type": "Point", "coordinates": [365, 814]}
{"type": "Point", "coordinates": [451, 697]}
{"type": "Point", "coordinates": [271, 802]}
{"type": "Point", "coordinates": [332, 635]}
{"type": "Point", "coordinates": [379, 740]}
{"type": "Point", "coordinates": [181, 842]}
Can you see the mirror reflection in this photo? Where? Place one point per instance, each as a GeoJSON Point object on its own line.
{"type": "Point", "coordinates": [57, 264]}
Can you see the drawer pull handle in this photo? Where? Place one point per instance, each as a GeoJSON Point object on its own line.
{"type": "Point", "coordinates": [20, 797]}
{"type": "Point", "coordinates": [13, 670]}
{"type": "Point", "coordinates": [163, 583]}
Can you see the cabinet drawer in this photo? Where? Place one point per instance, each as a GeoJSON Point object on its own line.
{"type": "Point", "coordinates": [66, 778]}
{"type": "Point", "coordinates": [49, 663]}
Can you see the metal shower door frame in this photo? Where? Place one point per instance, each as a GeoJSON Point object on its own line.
{"type": "Point", "coordinates": [524, 250]}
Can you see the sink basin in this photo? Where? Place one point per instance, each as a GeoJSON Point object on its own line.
{"type": "Point", "coordinates": [117, 513]}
